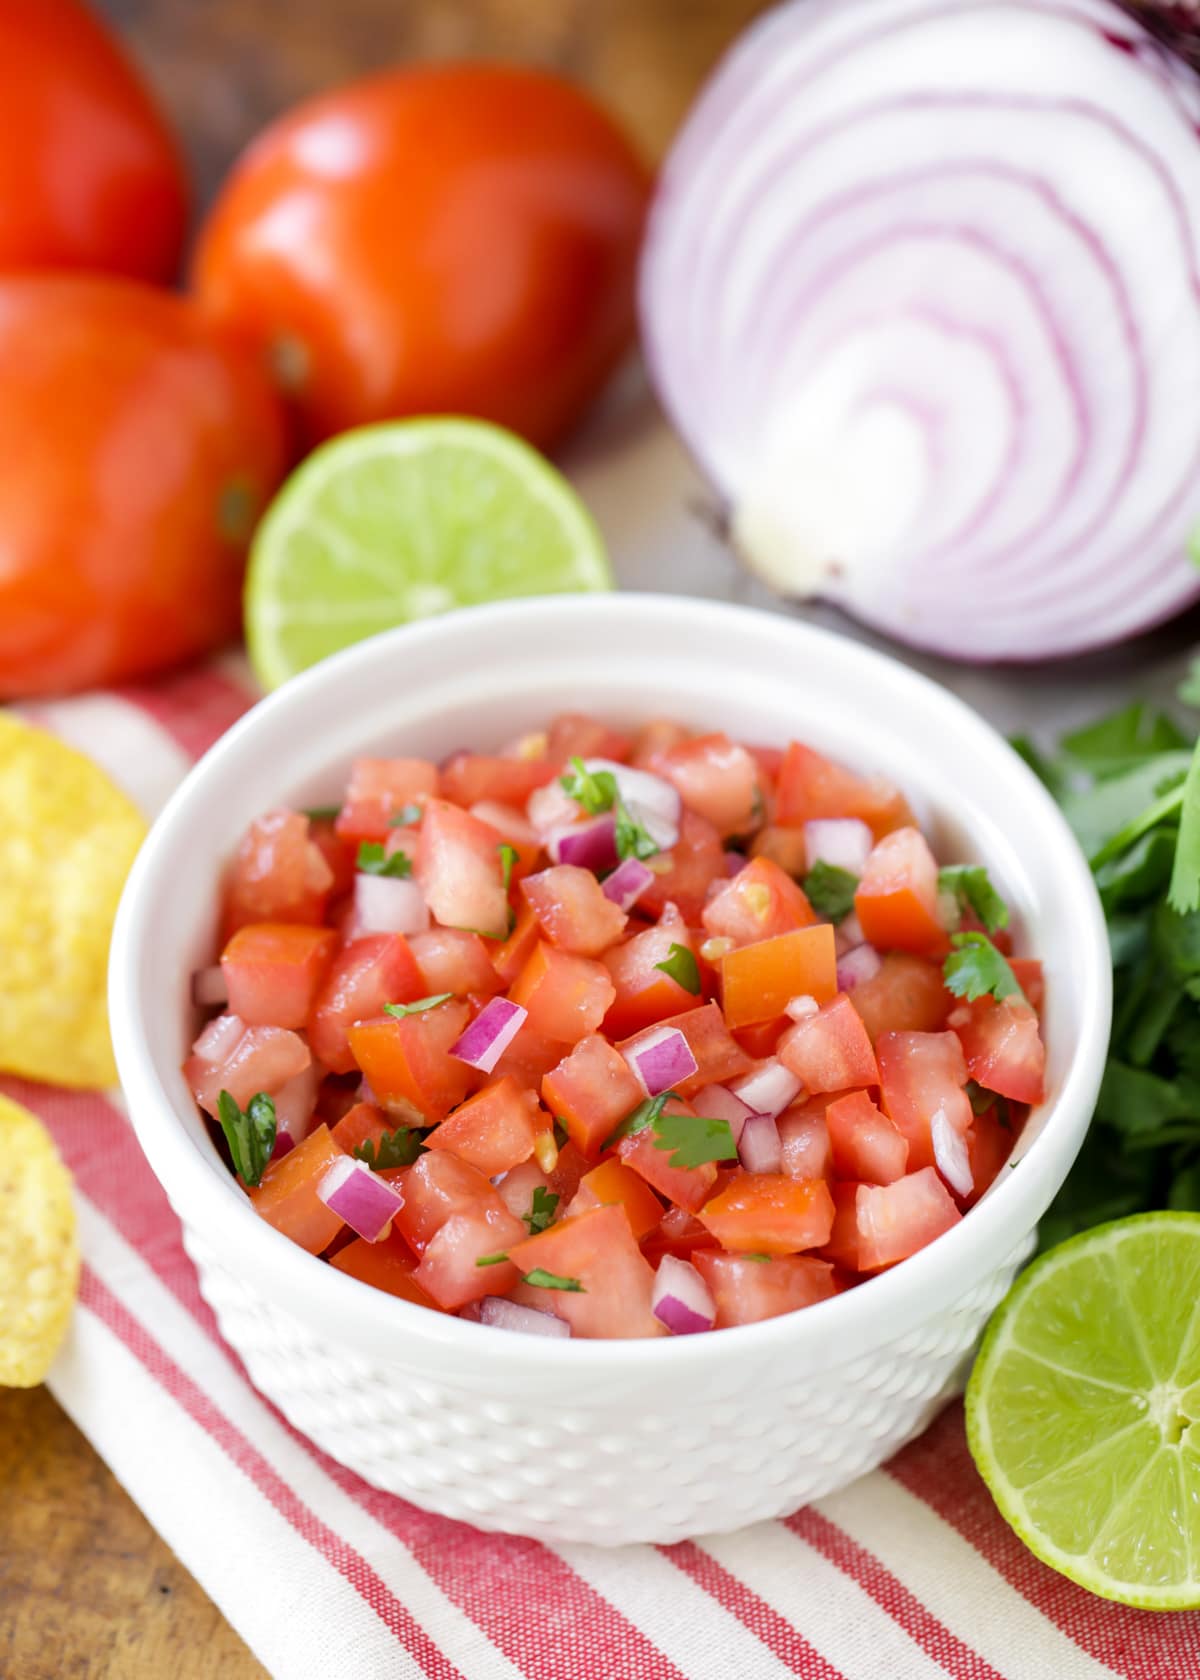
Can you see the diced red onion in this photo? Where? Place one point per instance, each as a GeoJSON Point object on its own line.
{"type": "Point", "coordinates": [388, 904]}
{"type": "Point", "coordinates": [759, 1149]}
{"type": "Point", "coordinates": [650, 799]}
{"type": "Point", "coordinates": [503, 1314]}
{"type": "Point", "coordinates": [878, 258]}
{"type": "Point", "coordinates": [843, 842]}
{"type": "Point", "coordinates": [802, 1007]}
{"type": "Point", "coordinates": [717, 1102]}
{"type": "Point", "coordinates": [950, 1154]}
{"type": "Point", "coordinates": [209, 990]}
{"type": "Point", "coordinates": [365, 1201]}
{"type": "Point", "coordinates": [490, 1034]}
{"type": "Point", "coordinates": [588, 845]}
{"type": "Point", "coordinates": [769, 1089]}
{"type": "Point", "coordinates": [862, 963]}
{"type": "Point", "coordinates": [661, 1060]}
{"type": "Point", "coordinates": [219, 1039]}
{"type": "Point", "coordinates": [628, 882]}
{"type": "Point", "coordinates": [680, 1298]}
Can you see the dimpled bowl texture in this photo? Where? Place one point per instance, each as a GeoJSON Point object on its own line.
{"type": "Point", "coordinates": [606, 1441]}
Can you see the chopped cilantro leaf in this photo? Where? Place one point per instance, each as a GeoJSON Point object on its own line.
{"type": "Point", "coordinates": [680, 963]}
{"type": "Point", "coordinates": [373, 861]}
{"type": "Point", "coordinates": [972, 887]}
{"type": "Point", "coordinates": [975, 969]}
{"type": "Point", "coordinates": [400, 1010]}
{"type": "Point", "coordinates": [542, 1279]}
{"type": "Point", "coordinates": [541, 1210]}
{"type": "Point", "coordinates": [830, 890]}
{"type": "Point", "coordinates": [595, 790]}
{"type": "Point", "coordinates": [492, 1259]}
{"type": "Point", "coordinates": [406, 817]}
{"type": "Point", "coordinates": [508, 856]}
{"type": "Point", "coordinates": [250, 1134]}
{"type": "Point", "coordinates": [393, 1149]}
{"type": "Point", "coordinates": [694, 1139]}
{"type": "Point", "coordinates": [323, 813]}
{"type": "Point", "coordinates": [645, 1114]}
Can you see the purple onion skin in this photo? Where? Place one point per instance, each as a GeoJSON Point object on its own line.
{"type": "Point", "coordinates": [679, 1318]}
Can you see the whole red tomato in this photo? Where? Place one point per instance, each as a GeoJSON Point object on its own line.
{"type": "Point", "coordinates": [90, 176]}
{"type": "Point", "coordinates": [137, 447]}
{"type": "Point", "coordinates": [455, 238]}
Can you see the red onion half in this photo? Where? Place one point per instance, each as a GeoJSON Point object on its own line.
{"type": "Point", "coordinates": [921, 290]}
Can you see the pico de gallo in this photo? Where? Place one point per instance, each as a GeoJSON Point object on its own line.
{"type": "Point", "coordinates": [613, 1034]}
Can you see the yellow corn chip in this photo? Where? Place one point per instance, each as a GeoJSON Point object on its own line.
{"type": "Point", "coordinates": [39, 1257]}
{"type": "Point", "coordinates": [67, 839]}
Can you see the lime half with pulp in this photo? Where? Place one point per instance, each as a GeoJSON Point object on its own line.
{"type": "Point", "coordinates": [404, 520]}
{"type": "Point", "coordinates": [1083, 1410]}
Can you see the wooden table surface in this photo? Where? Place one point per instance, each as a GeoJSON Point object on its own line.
{"type": "Point", "coordinates": [87, 1589]}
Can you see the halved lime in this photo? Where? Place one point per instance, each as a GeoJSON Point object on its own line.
{"type": "Point", "coordinates": [1083, 1410]}
{"type": "Point", "coordinates": [400, 521]}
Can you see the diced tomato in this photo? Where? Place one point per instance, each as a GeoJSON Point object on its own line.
{"type": "Point", "coordinates": [830, 1051]}
{"type": "Point", "coordinates": [453, 960]}
{"type": "Point", "coordinates": [572, 910]}
{"type": "Point", "coordinates": [613, 1183]}
{"type": "Point", "coordinates": [922, 1073]}
{"type": "Point", "coordinates": [1003, 1047]}
{"type": "Point", "coordinates": [645, 993]}
{"type": "Point", "coordinates": [810, 786]}
{"type": "Point", "coordinates": [990, 1141]}
{"type": "Point", "coordinates": [759, 902]}
{"type": "Point", "coordinates": [718, 1055]}
{"type": "Point", "coordinates": [769, 1213]}
{"type": "Point", "coordinates": [807, 1151]}
{"type": "Point", "coordinates": [378, 789]}
{"type": "Point", "coordinates": [683, 875]}
{"type": "Point", "coordinates": [576, 735]}
{"type": "Point", "coordinates": [591, 1091]}
{"type": "Point", "coordinates": [493, 1130]}
{"type": "Point", "coordinates": [361, 1124]}
{"type": "Point", "coordinates": [459, 870]}
{"type": "Point", "coordinates": [287, 1196]}
{"type": "Point", "coordinates": [278, 875]}
{"type": "Point", "coordinates": [680, 1233]}
{"type": "Point", "coordinates": [364, 976]}
{"type": "Point", "coordinates": [566, 996]}
{"type": "Point", "coordinates": [783, 846]}
{"type": "Point", "coordinates": [748, 1290]}
{"type": "Point", "coordinates": [654, 739]}
{"type": "Point", "coordinates": [897, 897]}
{"type": "Point", "coordinates": [449, 1269]}
{"type": "Point", "coordinates": [687, 1187]}
{"type": "Point", "coordinates": [387, 1265]}
{"type": "Point", "coordinates": [509, 958]}
{"type": "Point", "coordinates": [598, 1251]}
{"type": "Point", "coordinates": [716, 778]}
{"type": "Point", "coordinates": [867, 1147]}
{"type": "Point", "coordinates": [880, 1224]}
{"type": "Point", "coordinates": [530, 1057]}
{"type": "Point", "coordinates": [273, 969]}
{"type": "Point", "coordinates": [760, 1040]}
{"type": "Point", "coordinates": [407, 1063]}
{"type": "Point", "coordinates": [1027, 972]}
{"type": "Point", "coordinates": [758, 981]}
{"type": "Point", "coordinates": [250, 1059]}
{"type": "Point", "coordinates": [906, 995]}
{"type": "Point", "coordinates": [468, 778]}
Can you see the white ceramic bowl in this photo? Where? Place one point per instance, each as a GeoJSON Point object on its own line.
{"type": "Point", "coordinates": [620, 1440]}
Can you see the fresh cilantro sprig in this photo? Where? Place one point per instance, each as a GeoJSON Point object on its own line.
{"type": "Point", "coordinates": [400, 1010]}
{"type": "Point", "coordinates": [975, 969]}
{"type": "Point", "coordinates": [393, 1149]}
{"type": "Point", "coordinates": [972, 887]}
{"type": "Point", "coordinates": [830, 890]}
{"type": "Point", "coordinates": [250, 1134]}
{"type": "Point", "coordinates": [372, 860]}
{"type": "Point", "coordinates": [681, 965]}
{"type": "Point", "coordinates": [542, 1209]}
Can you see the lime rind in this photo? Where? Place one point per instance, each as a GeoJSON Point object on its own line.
{"type": "Point", "coordinates": [1082, 1410]}
{"type": "Point", "coordinates": [404, 520]}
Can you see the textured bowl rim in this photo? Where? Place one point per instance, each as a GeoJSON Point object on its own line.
{"type": "Point", "coordinates": [862, 1318]}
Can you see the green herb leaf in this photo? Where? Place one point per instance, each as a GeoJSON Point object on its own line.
{"type": "Point", "coordinates": [372, 860]}
{"type": "Point", "coordinates": [645, 1114]}
{"type": "Point", "coordinates": [633, 839]}
{"type": "Point", "coordinates": [250, 1134]}
{"type": "Point", "coordinates": [323, 813]}
{"type": "Point", "coordinates": [972, 887]}
{"type": "Point", "coordinates": [680, 963]}
{"type": "Point", "coordinates": [830, 890]}
{"type": "Point", "coordinates": [595, 790]}
{"type": "Point", "coordinates": [541, 1210]}
{"type": "Point", "coordinates": [975, 969]}
{"type": "Point", "coordinates": [408, 816]}
{"type": "Point", "coordinates": [393, 1149]}
{"type": "Point", "coordinates": [400, 1010]}
{"type": "Point", "coordinates": [508, 856]}
{"type": "Point", "coordinates": [550, 1280]}
{"type": "Point", "coordinates": [491, 1259]}
{"type": "Point", "coordinates": [694, 1139]}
